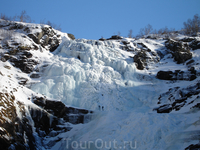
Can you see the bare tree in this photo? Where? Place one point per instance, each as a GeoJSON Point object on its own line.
{"type": "Point", "coordinates": [192, 26]}
{"type": "Point", "coordinates": [24, 17]}
{"type": "Point", "coordinates": [130, 33]}
{"type": "Point", "coordinates": [146, 30]}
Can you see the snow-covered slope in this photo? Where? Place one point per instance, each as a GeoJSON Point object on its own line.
{"type": "Point", "coordinates": [119, 93]}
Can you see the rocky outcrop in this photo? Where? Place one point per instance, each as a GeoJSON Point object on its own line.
{"type": "Point", "coordinates": [179, 50]}
{"type": "Point", "coordinates": [50, 120]}
{"type": "Point", "coordinates": [189, 75]}
{"type": "Point", "coordinates": [140, 59]}
{"type": "Point", "coordinates": [115, 37]}
{"type": "Point", "coordinates": [47, 37]}
{"type": "Point", "coordinates": [58, 109]}
{"type": "Point", "coordinates": [177, 97]}
{"type": "Point", "coordinates": [42, 35]}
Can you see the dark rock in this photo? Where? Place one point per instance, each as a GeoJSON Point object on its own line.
{"type": "Point", "coordinates": [34, 38]}
{"type": "Point", "coordinates": [165, 75]}
{"type": "Point", "coordinates": [193, 147]}
{"type": "Point", "coordinates": [178, 97]}
{"type": "Point", "coordinates": [27, 30]}
{"type": "Point", "coordinates": [179, 50]}
{"type": "Point", "coordinates": [196, 106]}
{"type": "Point", "coordinates": [192, 70]}
{"type": "Point", "coordinates": [144, 47]}
{"type": "Point", "coordinates": [167, 108]}
{"type": "Point", "coordinates": [102, 39]}
{"type": "Point", "coordinates": [190, 62]}
{"type": "Point", "coordinates": [125, 42]}
{"type": "Point", "coordinates": [53, 48]}
{"type": "Point", "coordinates": [177, 75]}
{"type": "Point", "coordinates": [188, 39]}
{"type": "Point", "coordinates": [182, 57]}
{"type": "Point", "coordinates": [16, 26]}
{"type": "Point", "coordinates": [6, 56]}
{"type": "Point", "coordinates": [3, 59]}
{"type": "Point", "coordinates": [140, 59]}
{"type": "Point", "coordinates": [25, 65]}
{"type": "Point", "coordinates": [195, 44]}
{"type": "Point", "coordinates": [71, 36]}
{"type": "Point", "coordinates": [27, 54]}
{"type": "Point", "coordinates": [115, 37]}
{"type": "Point", "coordinates": [53, 44]}
{"type": "Point", "coordinates": [58, 109]}
{"type": "Point", "coordinates": [34, 75]}
{"type": "Point", "coordinates": [45, 40]}
{"type": "Point", "coordinates": [47, 31]}
{"type": "Point", "coordinates": [22, 81]}
{"type": "Point", "coordinates": [18, 131]}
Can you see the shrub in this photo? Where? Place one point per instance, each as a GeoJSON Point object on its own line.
{"type": "Point", "coordinates": [130, 33]}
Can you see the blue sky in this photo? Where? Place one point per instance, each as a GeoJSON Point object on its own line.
{"type": "Point", "coordinates": [93, 19]}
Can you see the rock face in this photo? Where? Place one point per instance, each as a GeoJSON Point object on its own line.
{"type": "Point", "coordinates": [179, 50]}
{"type": "Point", "coordinates": [58, 109]}
{"type": "Point", "coordinates": [47, 37]}
{"type": "Point", "coordinates": [16, 133]}
{"type": "Point", "coordinates": [48, 119]}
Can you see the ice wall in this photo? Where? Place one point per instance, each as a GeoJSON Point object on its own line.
{"type": "Point", "coordinates": [91, 74]}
